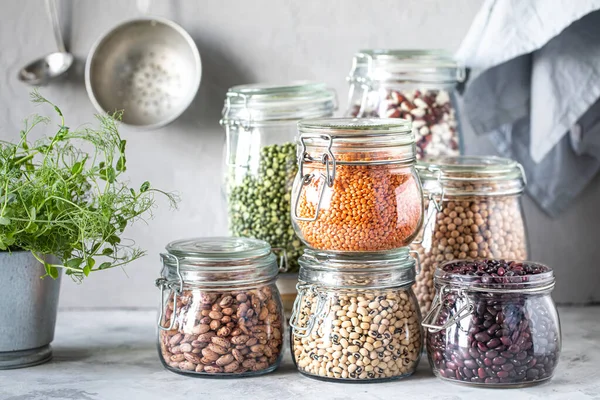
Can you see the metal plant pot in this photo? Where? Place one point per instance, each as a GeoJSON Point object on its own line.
{"type": "Point", "coordinates": [28, 308]}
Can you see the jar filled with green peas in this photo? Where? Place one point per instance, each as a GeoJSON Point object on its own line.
{"type": "Point", "coordinates": [260, 121]}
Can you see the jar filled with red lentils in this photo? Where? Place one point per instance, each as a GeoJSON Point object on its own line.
{"type": "Point", "coordinates": [473, 211]}
{"type": "Point", "coordinates": [356, 189]}
{"type": "Point", "coordinates": [221, 314]}
{"type": "Point", "coordinates": [493, 323]}
{"type": "Point", "coordinates": [417, 85]}
{"type": "Point", "coordinates": [356, 318]}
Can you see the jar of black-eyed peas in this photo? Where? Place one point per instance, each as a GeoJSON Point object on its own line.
{"type": "Point", "coordinates": [356, 317]}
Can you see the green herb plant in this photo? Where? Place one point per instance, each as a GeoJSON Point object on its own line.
{"type": "Point", "coordinates": [58, 199]}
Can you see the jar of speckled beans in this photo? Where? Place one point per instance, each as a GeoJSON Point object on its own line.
{"type": "Point", "coordinates": [356, 318]}
{"type": "Point", "coordinates": [416, 85]}
{"type": "Point", "coordinates": [221, 313]}
{"type": "Point", "coordinates": [473, 211]}
{"type": "Point", "coordinates": [493, 323]}
{"type": "Point", "coordinates": [356, 189]}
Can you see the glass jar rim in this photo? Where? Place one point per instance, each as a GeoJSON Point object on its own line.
{"type": "Point", "coordinates": [360, 135]}
{"type": "Point", "coordinates": [543, 281]}
{"type": "Point", "coordinates": [449, 170]}
{"type": "Point", "coordinates": [438, 57]}
{"type": "Point", "coordinates": [386, 269]}
{"type": "Point", "coordinates": [359, 127]}
{"type": "Point", "coordinates": [263, 102]}
{"type": "Point", "coordinates": [405, 65]}
{"type": "Point", "coordinates": [219, 261]}
{"type": "Point", "coordinates": [269, 90]}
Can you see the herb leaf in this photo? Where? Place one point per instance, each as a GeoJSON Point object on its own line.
{"type": "Point", "coordinates": [57, 198]}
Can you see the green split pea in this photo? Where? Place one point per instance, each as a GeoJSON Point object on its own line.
{"type": "Point", "coordinates": [259, 206]}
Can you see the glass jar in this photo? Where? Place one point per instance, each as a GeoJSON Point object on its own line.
{"type": "Point", "coordinates": [473, 211]}
{"type": "Point", "coordinates": [493, 323]}
{"type": "Point", "coordinates": [416, 85]}
{"type": "Point", "coordinates": [356, 317]}
{"type": "Point", "coordinates": [221, 313]}
{"type": "Point", "coordinates": [260, 121]}
{"type": "Point", "coordinates": [356, 188]}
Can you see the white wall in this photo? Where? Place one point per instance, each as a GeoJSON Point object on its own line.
{"type": "Point", "coordinates": [243, 42]}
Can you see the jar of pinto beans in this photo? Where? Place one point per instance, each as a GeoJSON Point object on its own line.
{"type": "Point", "coordinates": [493, 323]}
{"type": "Point", "coordinates": [473, 211]}
{"type": "Point", "coordinates": [221, 313]}
{"type": "Point", "coordinates": [417, 85]}
{"type": "Point", "coordinates": [356, 317]}
{"type": "Point", "coordinates": [356, 189]}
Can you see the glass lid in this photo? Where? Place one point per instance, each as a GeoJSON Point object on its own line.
{"type": "Point", "coordinates": [406, 65]}
{"type": "Point", "coordinates": [358, 127]}
{"type": "Point", "coordinates": [219, 249]}
{"type": "Point", "coordinates": [460, 175]}
{"type": "Point", "coordinates": [219, 261]}
{"type": "Point", "coordinates": [261, 102]}
{"type": "Point", "coordinates": [392, 268]}
{"type": "Point", "coordinates": [356, 134]}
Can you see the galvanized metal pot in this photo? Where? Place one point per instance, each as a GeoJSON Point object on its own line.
{"type": "Point", "coordinates": [28, 308]}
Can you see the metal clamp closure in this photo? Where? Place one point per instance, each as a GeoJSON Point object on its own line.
{"type": "Point", "coordinates": [465, 311]}
{"type": "Point", "coordinates": [327, 159]}
{"type": "Point", "coordinates": [364, 83]}
{"type": "Point", "coordinates": [244, 124]}
{"type": "Point", "coordinates": [177, 287]}
{"type": "Point", "coordinates": [417, 260]}
{"type": "Point", "coordinates": [283, 258]}
{"type": "Point", "coordinates": [438, 205]}
{"type": "Point", "coordinates": [320, 310]}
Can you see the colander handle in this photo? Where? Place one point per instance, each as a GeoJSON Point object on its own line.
{"type": "Point", "coordinates": [143, 6]}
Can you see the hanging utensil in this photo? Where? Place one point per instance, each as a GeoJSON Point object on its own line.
{"type": "Point", "coordinates": [53, 65]}
{"type": "Point", "coordinates": [148, 67]}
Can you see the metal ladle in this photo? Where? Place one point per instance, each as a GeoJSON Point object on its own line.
{"type": "Point", "coordinates": [53, 65]}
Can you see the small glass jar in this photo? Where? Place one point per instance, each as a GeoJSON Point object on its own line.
{"type": "Point", "coordinates": [473, 211]}
{"type": "Point", "coordinates": [221, 313]}
{"type": "Point", "coordinates": [356, 189]}
{"type": "Point", "coordinates": [417, 85]}
{"type": "Point", "coordinates": [356, 317]}
{"type": "Point", "coordinates": [260, 121]}
{"type": "Point", "coordinates": [497, 328]}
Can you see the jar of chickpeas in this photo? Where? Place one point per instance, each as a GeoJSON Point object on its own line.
{"type": "Point", "coordinates": [472, 211]}
{"type": "Point", "coordinates": [356, 317]}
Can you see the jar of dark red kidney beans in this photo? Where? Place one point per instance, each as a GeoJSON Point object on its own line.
{"type": "Point", "coordinates": [493, 323]}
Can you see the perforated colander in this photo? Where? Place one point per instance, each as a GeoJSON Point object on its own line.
{"type": "Point", "coordinates": [148, 67]}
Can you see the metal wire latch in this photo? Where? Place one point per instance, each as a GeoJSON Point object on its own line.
{"type": "Point", "coordinates": [438, 205]}
{"type": "Point", "coordinates": [433, 315]}
{"type": "Point", "coordinates": [177, 287]}
{"type": "Point", "coordinates": [320, 311]}
{"type": "Point", "coordinates": [327, 159]}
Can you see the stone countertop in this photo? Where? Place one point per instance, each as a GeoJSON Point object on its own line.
{"type": "Point", "coordinates": [112, 355]}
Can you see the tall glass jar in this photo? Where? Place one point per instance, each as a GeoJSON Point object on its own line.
{"type": "Point", "coordinates": [356, 189]}
{"type": "Point", "coordinates": [221, 313]}
{"type": "Point", "coordinates": [473, 211]}
{"type": "Point", "coordinates": [417, 85]}
{"type": "Point", "coordinates": [493, 323]}
{"type": "Point", "coordinates": [260, 121]}
{"type": "Point", "coordinates": [356, 317]}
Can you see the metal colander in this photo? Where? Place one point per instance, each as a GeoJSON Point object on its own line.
{"type": "Point", "coordinates": [149, 68]}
